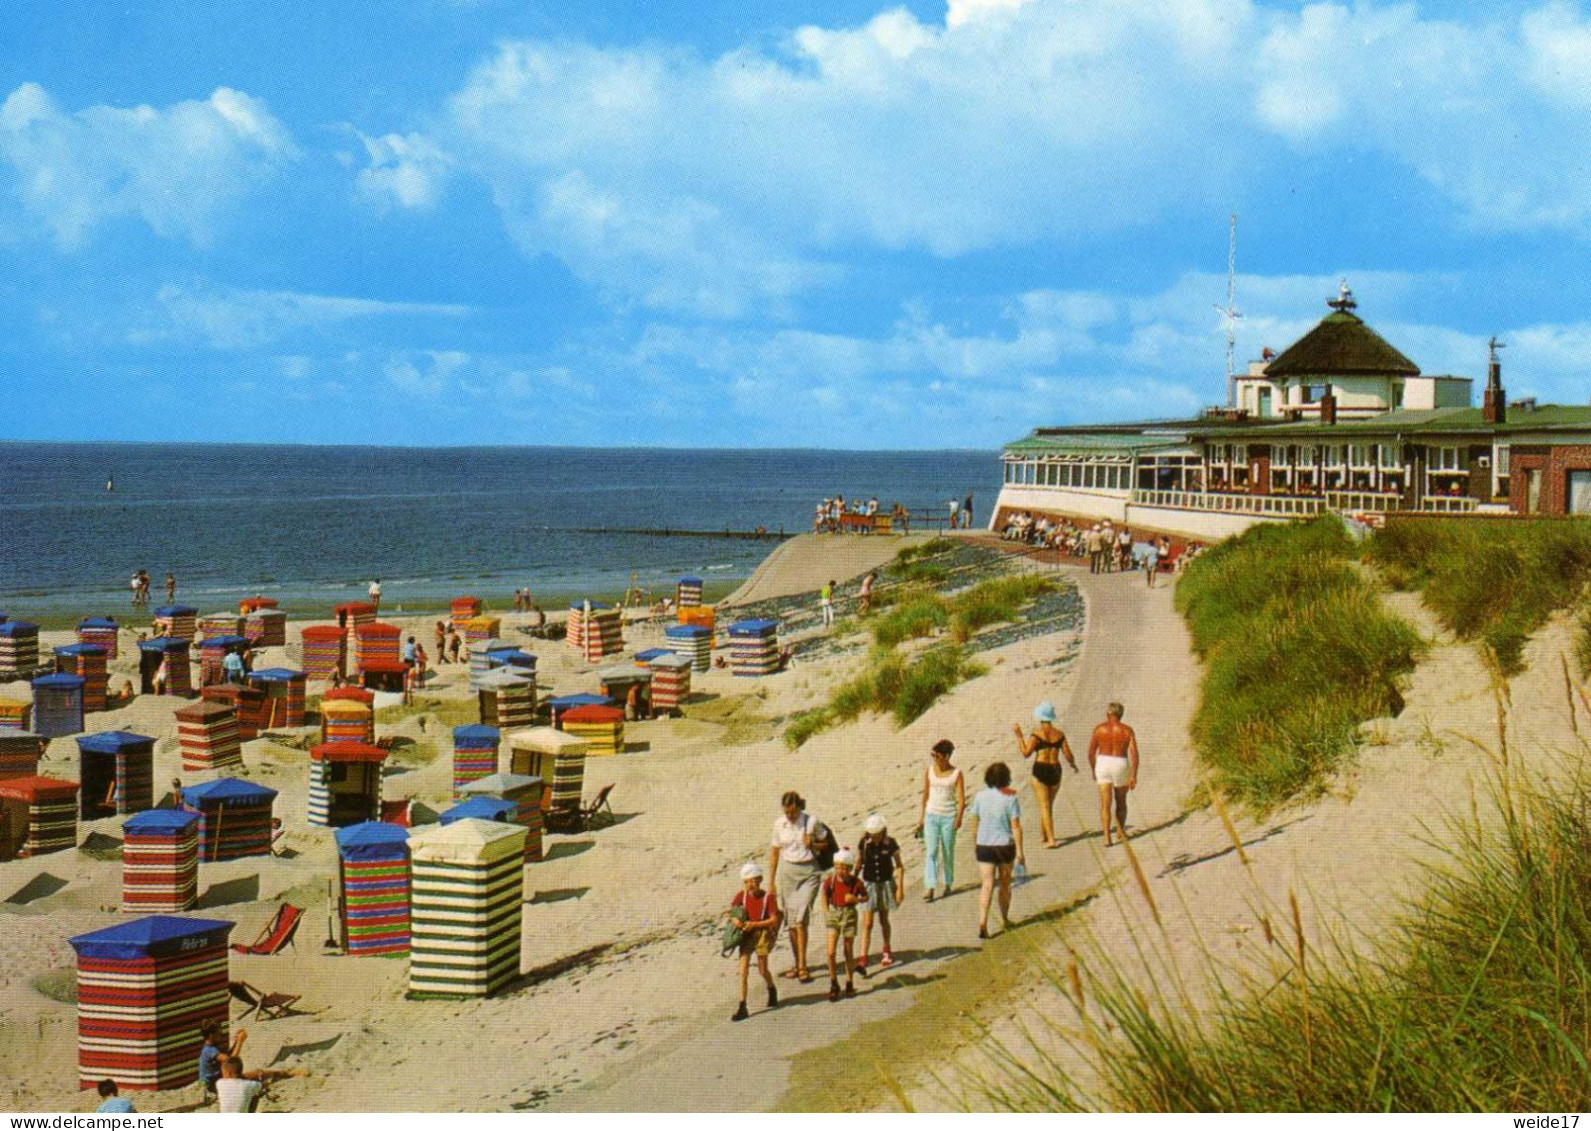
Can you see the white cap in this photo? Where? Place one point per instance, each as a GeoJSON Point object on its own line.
{"type": "Point", "coordinates": [845, 856]}
{"type": "Point", "coordinates": [751, 870]}
{"type": "Point", "coordinates": [876, 824]}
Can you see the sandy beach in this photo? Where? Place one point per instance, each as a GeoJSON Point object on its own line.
{"type": "Point", "coordinates": [624, 1001]}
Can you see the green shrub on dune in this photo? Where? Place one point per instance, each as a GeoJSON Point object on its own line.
{"type": "Point", "coordinates": [1298, 652]}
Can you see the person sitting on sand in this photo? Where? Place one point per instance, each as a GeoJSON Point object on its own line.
{"type": "Point", "coordinates": [1046, 747]}
{"type": "Point", "coordinates": [211, 1052]}
{"type": "Point", "coordinates": [111, 1101]}
{"type": "Point", "coordinates": [884, 873]}
{"type": "Point", "coordinates": [239, 1092]}
{"type": "Point", "coordinates": [760, 926]}
{"type": "Point", "coordinates": [1113, 756]}
{"type": "Point", "coordinates": [842, 893]}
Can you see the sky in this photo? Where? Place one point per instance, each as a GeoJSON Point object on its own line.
{"type": "Point", "coordinates": [736, 223]}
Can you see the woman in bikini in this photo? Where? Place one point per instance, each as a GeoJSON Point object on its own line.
{"type": "Point", "coordinates": [1046, 746]}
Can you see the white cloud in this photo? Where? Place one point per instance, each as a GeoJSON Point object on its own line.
{"type": "Point", "coordinates": [242, 319]}
{"type": "Point", "coordinates": [425, 373]}
{"type": "Point", "coordinates": [179, 170]}
{"type": "Point", "coordinates": [405, 171]}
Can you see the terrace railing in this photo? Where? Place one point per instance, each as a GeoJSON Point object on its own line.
{"type": "Point", "coordinates": [1279, 506]}
{"type": "Point", "coordinates": [1356, 501]}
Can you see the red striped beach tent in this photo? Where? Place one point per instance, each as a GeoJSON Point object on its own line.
{"type": "Point", "coordinates": [525, 793]}
{"type": "Point", "coordinates": [88, 662]}
{"type": "Point", "coordinates": [207, 732]}
{"type": "Point", "coordinates": [284, 696]}
{"type": "Point", "coordinates": [350, 695]}
{"type": "Point", "coordinates": [561, 703]}
{"type": "Point", "coordinates": [619, 680]}
{"type": "Point", "coordinates": [266, 628]}
{"type": "Point", "coordinates": [325, 650]}
{"type": "Point", "coordinates": [38, 815]}
{"type": "Point", "coordinates": [373, 867]}
{"type": "Point", "coordinates": [345, 783]}
{"type": "Point", "coordinates": [224, 623]}
{"type": "Point", "coordinates": [58, 705]}
{"type": "Point", "coordinates": [117, 772]}
{"type": "Point", "coordinates": [15, 714]}
{"type": "Point", "coordinates": [463, 609]}
{"type": "Point", "coordinates": [346, 720]}
{"type": "Point", "coordinates": [20, 752]}
{"type": "Point", "coordinates": [247, 702]}
{"type": "Point", "coordinates": [160, 861]}
{"type": "Point", "coordinates": [559, 760]}
{"type": "Point", "coordinates": [474, 754]}
{"type": "Point", "coordinates": [467, 881]}
{"type": "Point", "coordinates": [377, 644]}
{"type": "Point", "coordinates": [601, 727]}
{"type": "Point", "coordinates": [19, 649]}
{"type": "Point", "coordinates": [168, 654]}
{"type": "Point", "coordinates": [353, 614]}
{"type": "Point", "coordinates": [145, 990]}
{"type": "Point", "coordinates": [179, 622]}
{"type": "Point", "coordinates": [234, 818]}
{"type": "Point", "coordinates": [255, 604]}
{"type": "Point", "coordinates": [671, 682]}
{"type": "Point", "coordinates": [103, 631]}
{"type": "Point", "coordinates": [213, 651]}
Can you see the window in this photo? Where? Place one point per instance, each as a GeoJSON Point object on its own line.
{"type": "Point", "coordinates": [1446, 459]}
{"type": "Point", "coordinates": [1389, 456]}
{"type": "Point", "coordinates": [1500, 459]}
{"type": "Point", "coordinates": [1313, 394]}
{"type": "Point", "coordinates": [1360, 455]}
{"type": "Point", "coordinates": [1279, 455]}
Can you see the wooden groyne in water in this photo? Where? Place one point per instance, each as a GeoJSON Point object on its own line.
{"type": "Point", "coordinates": [668, 532]}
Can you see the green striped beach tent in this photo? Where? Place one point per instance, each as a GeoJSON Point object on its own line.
{"type": "Point", "coordinates": [467, 881]}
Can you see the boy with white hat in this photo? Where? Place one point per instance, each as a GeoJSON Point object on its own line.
{"type": "Point", "coordinates": [884, 873]}
{"type": "Point", "coordinates": [760, 925]}
{"type": "Point", "coordinates": [842, 892]}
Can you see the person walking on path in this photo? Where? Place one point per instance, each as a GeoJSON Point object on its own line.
{"type": "Point", "coordinates": [759, 915]}
{"type": "Point", "coordinates": [866, 595]}
{"type": "Point", "coordinates": [1046, 746]}
{"type": "Point", "coordinates": [997, 821]}
{"type": "Point", "coordinates": [843, 891]}
{"type": "Point", "coordinates": [826, 598]}
{"type": "Point", "coordinates": [796, 876]}
{"type": "Point", "coordinates": [884, 873]}
{"type": "Point", "coordinates": [1113, 756]}
{"type": "Point", "coordinates": [944, 804]}
{"type": "Point", "coordinates": [1151, 564]}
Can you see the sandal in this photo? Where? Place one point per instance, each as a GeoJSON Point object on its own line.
{"type": "Point", "coordinates": [861, 968]}
{"type": "Point", "coordinates": [887, 960]}
{"type": "Point", "coordinates": [834, 991]}
{"type": "Point", "coordinates": [793, 972]}
{"type": "Point", "coordinates": [804, 976]}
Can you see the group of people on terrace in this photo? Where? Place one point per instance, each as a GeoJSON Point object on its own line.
{"type": "Point", "coordinates": [835, 516]}
{"type": "Point", "coordinates": [1107, 547]}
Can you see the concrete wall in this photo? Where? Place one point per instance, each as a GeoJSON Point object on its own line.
{"type": "Point", "coordinates": [1063, 500]}
{"type": "Point", "coordinates": [1205, 526]}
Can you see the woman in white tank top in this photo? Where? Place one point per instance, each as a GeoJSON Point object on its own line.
{"type": "Point", "coordinates": [944, 802]}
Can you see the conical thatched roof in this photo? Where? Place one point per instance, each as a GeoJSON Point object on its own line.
{"type": "Point", "coordinates": [1341, 345]}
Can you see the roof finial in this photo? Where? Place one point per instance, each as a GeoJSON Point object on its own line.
{"type": "Point", "coordinates": [1344, 300]}
{"type": "Point", "coordinates": [1492, 347]}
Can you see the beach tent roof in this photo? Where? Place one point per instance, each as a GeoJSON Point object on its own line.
{"type": "Point", "coordinates": [98, 622]}
{"type": "Point", "coordinates": [471, 840]}
{"type": "Point", "coordinates": [36, 788]}
{"type": "Point", "coordinates": [225, 791]}
{"type": "Point", "coordinates": [81, 650]}
{"type": "Point", "coordinates": [204, 710]}
{"type": "Point", "coordinates": [344, 707]}
{"type": "Point", "coordinates": [477, 731]}
{"type": "Point", "coordinates": [160, 821]}
{"type": "Point", "coordinates": [352, 694]}
{"type": "Point", "coordinates": [152, 936]}
{"type": "Point", "coordinates": [670, 660]}
{"type": "Point", "coordinates": [113, 742]}
{"type": "Point", "coordinates": [505, 677]}
{"type": "Point", "coordinates": [356, 607]}
{"type": "Point", "coordinates": [163, 644]}
{"type": "Point", "coordinates": [227, 640]}
{"type": "Point", "coordinates": [690, 581]}
{"type": "Point", "coordinates": [18, 628]}
{"type": "Point", "coordinates": [496, 785]}
{"type": "Point", "coordinates": [59, 682]}
{"type": "Point", "coordinates": [546, 740]}
{"type": "Point", "coordinates": [347, 752]}
{"type": "Point", "coordinates": [486, 808]}
{"type": "Point", "coordinates": [276, 675]}
{"type": "Point", "coordinates": [584, 699]}
{"type": "Point", "coordinates": [686, 631]}
{"type": "Point", "coordinates": [594, 714]}
{"type": "Point", "coordinates": [759, 626]}
{"type": "Point", "coordinates": [373, 840]}
{"type": "Point", "coordinates": [622, 672]}
{"type": "Point", "coordinates": [321, 631]}
{"type": "Point", "coordinates": [648, 655]}
{"type": "Point", "coordinates": [165, 612]}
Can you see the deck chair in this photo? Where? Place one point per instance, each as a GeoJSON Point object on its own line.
{"type": "Point", "coordinates": [599, 812]}
{"type": "Point", "coordinates": [258, 1003]}
{"type": "Point", "coordinates": [277, 935]}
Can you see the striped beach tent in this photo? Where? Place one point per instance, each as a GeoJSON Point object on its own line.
{"type": "Point", "coordinates": [224, 623]}
{"type": "Point", "coordinates": [145, 990]}
{"type": "Point", "coordinates": [324, 648]}
{"type": "Point", "coordinates": [474, 754]}
{"type": "Point", "coordinates": [58, 705]}
{"type": "Point", "coordinates": [103, 631]}
{"type": "Point", "coordinates": [284, 696]}
{"type": "Point", "coordinates": [463, 609]}
{"type": "Point", "coordinates": [20, 751]}
{"type": "Point", "coordinates": [346, 720]}
{"type": "Point", "coordinates": [87, 661]}
{"type": "Point", "coordinates": [266, 628]}
{"type": "Point", "coordinates": [477, 630]}
{"type": "Point", "coordinates": [15, 714]}
{"type": "Point", "coordinates": [38, 815]}
{"type": "Point", "coordinates": [373, 868]}
{"type": "Point", "coordinates": [247, 702]}
{"type": "Point", "coordinates": [234, 818]}
{"type": "Point", "coordinates": [507, 698]}
{"type": "Point", "coordinates": [179, 622]}
{"type": "Point", "coordinates": [688, 593]}
{"type": "Point", "coordinates": [345, 783]}
{"type": "Point", "coordinates": [671, 683]}
{"type": "Point", "coordinates": [466, 883]}
{"type": "Point", "coordinates": [19, 649]}
{"type": "Point", "coordinates": [602, 728]}
{"type": "Point", "coordinates": [561, 703]}
{"type": "Point", "coordinates": [483, 660]}
{"type": "Point", "coordinates": [558, 759]}
{"type": "Point", "coordinates": [168, 654]}
{"type": "Point", "coordinates": [377, 647]}
{"type": "Point", "coordinates": [754, 647]}
{"type": "Point", "coordinates": [208, 734]}
{"type": "Point", "coordinates": [526, 795]}
{"type": "Point", "coordinates": [699, 616]}
{"type": "Point", "coordinates": [256, 604]}
{"type": "Point", "coordinates": [160, 861]}
{"type": "Point", "coordinates": [117, 772]}
{"type": "Point", "coordinates": [617, 683]}
{"type": "Point", "coordinates": [693, 640]}
{"type": "Point", "coordinates": [213, 651]}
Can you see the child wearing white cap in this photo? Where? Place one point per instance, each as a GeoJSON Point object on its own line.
{"type": "Point", "coordinates": [761, 923]}
{"type": "Point", "coordinates": [884, 873]}
{"type": "Point", "coordinates": [842, 892]}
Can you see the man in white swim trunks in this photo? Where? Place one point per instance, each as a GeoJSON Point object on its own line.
{"type": "Point", "coordinates": [1113, 756]}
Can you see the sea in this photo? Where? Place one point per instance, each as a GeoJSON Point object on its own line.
{"type": "Point", "coordinates": [312, 526]}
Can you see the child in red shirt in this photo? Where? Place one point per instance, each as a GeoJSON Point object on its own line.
{"type": "Point", "coordinates": [760, 924]}
{"type": "Point", "coordinates": [841, 893]}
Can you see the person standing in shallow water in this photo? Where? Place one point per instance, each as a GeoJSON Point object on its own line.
{"type": "Point", "coordinates": [1113, 756]}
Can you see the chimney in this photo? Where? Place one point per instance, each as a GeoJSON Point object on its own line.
{"type": "Point", "coordinates": [1328, 407]}
{"type": "Point", "coordinates": [1494, 405]}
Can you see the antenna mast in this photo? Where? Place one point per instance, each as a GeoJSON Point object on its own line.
{"type": "Point", "coordinates": [1230, 313]}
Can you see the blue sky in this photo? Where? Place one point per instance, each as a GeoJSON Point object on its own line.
{"type": "Point", "coordinates": [751, 224]}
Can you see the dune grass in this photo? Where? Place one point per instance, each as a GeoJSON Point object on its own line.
{"type": "Point", "coordinates": [890, 684]}
{"type": "Point", "coordinates": [1492, 582]}
{"type": "Point", "coordinates": [1298, 652]}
